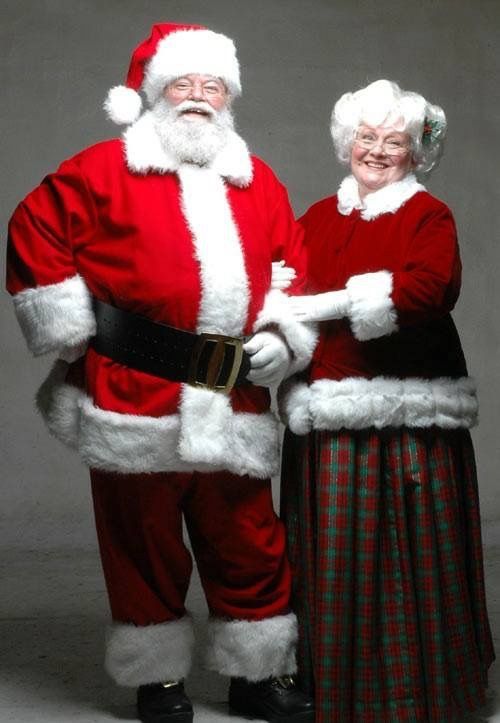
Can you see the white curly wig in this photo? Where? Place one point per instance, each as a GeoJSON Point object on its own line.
{"type": "Point", "coordinates": [385, 103]}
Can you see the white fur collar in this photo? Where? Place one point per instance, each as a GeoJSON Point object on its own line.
{"type": "Point", "coordinates": [144, 152]}
{"type": "Point", "coordinates": [387, 200]}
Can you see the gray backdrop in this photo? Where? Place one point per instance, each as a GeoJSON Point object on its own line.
{"type": "Point", "coordinates": [59, 57]}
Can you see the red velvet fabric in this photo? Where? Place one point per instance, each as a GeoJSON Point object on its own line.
{"type": "Point", "coordinates": [237, 540]}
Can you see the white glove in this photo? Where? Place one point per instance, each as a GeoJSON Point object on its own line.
{"type": "Point", "coordinates": [269, 358]}
{"type": "Point", "coordinates": [282, 276]}
{"type": "Point", "coordinates": [320, 307]}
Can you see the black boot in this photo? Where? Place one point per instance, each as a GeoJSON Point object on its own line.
{"type": "Point", "coordinates": [277, 700]}
{"type": "Point", "coordinates": [164, 703]}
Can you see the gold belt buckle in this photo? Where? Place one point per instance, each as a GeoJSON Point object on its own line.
{"type": "Point", "coordinates": [216, 362]}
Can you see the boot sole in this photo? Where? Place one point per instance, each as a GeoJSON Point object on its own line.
{"type": "Point", "coordinates": [172, 718]}
{"type": "Point", "coordinates": [296, 718]}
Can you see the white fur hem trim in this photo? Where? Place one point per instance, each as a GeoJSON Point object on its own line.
{"type": "Point", "coordinates": [387, 200]}
{"type": "Point", "coordinates": [138, 655]}
{"type": "Point", "coordinates": [253, 650]}
{"type": "Point", "coordinates": [301, 338]}
{"type": "Point", "coordinates": [372, 313]}
{"type": "Point", "coordinates": [239, 442]}
{"type": "Point", "coordinates": [55, 316]}
{"type": "Point", "coordinates": [357, 403]}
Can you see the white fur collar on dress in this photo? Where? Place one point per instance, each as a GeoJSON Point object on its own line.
{"type": "Point", "coordinates": [387, 200]}
{"type": "Point", "coordinates": [144, 152]}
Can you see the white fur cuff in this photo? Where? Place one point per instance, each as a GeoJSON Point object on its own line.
{"type": "Point", "coordinates": [138, 655]}
{"type": "Point", "coordinates": [300, 337]}
{"type": "Point", "coordinates": [372, 313]}
{"type": "Point", "coordinates": [55, 316]}
{"type": "Point", "coordinates": [253, 650]}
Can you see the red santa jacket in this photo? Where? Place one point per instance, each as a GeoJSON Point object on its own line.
{"type": "Point", "coordinates": [187, 246]}
{"type": "Point", "coordinates": [396, 360]}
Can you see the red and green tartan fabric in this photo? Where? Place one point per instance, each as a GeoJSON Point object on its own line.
{"type": "Point", "coordinates": [385, 543]}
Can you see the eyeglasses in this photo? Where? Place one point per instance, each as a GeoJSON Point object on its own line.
{"type": "Point", "coordinates": [183, 86]}
{"type": "Point", "coordinates": [390, 146]}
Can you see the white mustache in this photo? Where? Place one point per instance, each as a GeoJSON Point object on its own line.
{"type": "Point", "coordinates": [188, 105]}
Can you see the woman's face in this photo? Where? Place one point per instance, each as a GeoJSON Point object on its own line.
{"type": "Point", "coordinates": [380, 155]}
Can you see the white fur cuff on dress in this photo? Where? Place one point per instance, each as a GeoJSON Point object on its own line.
{"type": "Point", "coordinates": [372, 312]}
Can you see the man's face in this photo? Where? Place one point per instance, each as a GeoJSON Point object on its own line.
{"type": "Point", "coordinates": [193, 118]}
{"type": "Point", "coordinates": [198, 89]}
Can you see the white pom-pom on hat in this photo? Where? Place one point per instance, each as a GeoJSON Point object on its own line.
{"type": "Point", "coordinates": [123, 105]}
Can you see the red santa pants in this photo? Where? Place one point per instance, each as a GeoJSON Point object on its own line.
{"type": "Point", "coordinates": [239, 546]}
{"type": "Point", "coordinates": [237, 540]}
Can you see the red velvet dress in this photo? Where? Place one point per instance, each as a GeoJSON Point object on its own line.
{"type": "Point", "coordinates": [379, 487]}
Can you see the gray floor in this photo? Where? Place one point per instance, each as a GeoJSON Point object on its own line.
{"type": "Point", "coordinates": [52, 615]}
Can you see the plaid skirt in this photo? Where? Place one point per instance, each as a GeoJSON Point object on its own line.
{"type": "Point", "coordinates": [385, 544]}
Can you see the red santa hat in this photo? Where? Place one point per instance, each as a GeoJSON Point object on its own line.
{"type": "Point", "coordinates": [170, 52]}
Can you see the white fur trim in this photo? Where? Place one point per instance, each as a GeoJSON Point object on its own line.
{"type": "Point", "coordinates": [357, 403]}
{"type": "Point", "coordinates": [138, 655]}
{"type": "Point", "coordinates": [192, 51]}
{"type": "Point", "coordinates": [294, 405]}
{"type": "Point", "coordinates": [59, 405]}
{"type": "Point", "coordinates": [71, 353]}
{"type": "Point", "coordinates": [245, 443]}
{"type": "Point", "coordinates": [224, 281]}
{"type": "Point", "coordinates": [144, 153]}
{"type": "Point", "coordinates": [253, 650]}
{"type": "Point", "coordinates": [55, 316]}
{"type": "Point", "coordinates": [372, 313]}
{"type": "Point", "coordinates": [123, 105]}
{"type": "Point", "coordinates": [300, 337]}
{"type": "Point", "coordinates": [387, 200]}
{"type": "Point", "coordinates": [206, 416]}
{"type": "Point", "coordinates": [213, 435]}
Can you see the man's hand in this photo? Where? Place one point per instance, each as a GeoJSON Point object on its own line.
{"type": "Point", "coordinates": [269, 358]}
{"type": "Point", "coordinates": [320, 307]}
{"type": "Point", "coordinates": [282, 276]}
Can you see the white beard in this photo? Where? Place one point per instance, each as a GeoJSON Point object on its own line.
{"type": "Point", "coordinates": [189, 141]}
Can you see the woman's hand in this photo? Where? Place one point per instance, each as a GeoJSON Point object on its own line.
{"type": "Point", "coordinates": [282, 276]}
{"type": "Point", "coordinates": [320, 307]}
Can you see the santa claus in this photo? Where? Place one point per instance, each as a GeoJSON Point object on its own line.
{"type": "Point", "coordinates": [145, 264]}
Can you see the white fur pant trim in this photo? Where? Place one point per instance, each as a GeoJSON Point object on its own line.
{"type": "Point", "coordinates": [138, 655]}
{"type": "Point", "coordinates": [253, 650]}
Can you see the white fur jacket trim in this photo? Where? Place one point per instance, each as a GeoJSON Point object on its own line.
{"type": "Point", "coordinates": [56, 316]}
{"type": "Point", "coordinates": [253, 649]}
{"type": "Point", "coordinates": [139, 655]}
{"type": "Point", "coordinates": [387, 200]}
{"type": "Point", "coordinates": [241, 442]}
{"type": "Point", "coordinates": [357, 403]}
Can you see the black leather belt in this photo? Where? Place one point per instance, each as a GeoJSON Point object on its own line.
{"type": "Point", "coordinates": [210, 361]}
